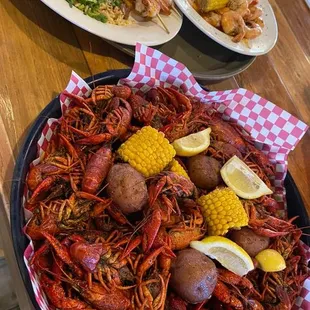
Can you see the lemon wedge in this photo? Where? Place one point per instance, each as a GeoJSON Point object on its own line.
{"type": "Point", "coordinates": [242, 180]}
{"type": "Point", "coordinates": [192, 144]}
{"type": "Point", "coordinates": [270, 261]}
{"type": "Point", "coordinates": [226, 252]}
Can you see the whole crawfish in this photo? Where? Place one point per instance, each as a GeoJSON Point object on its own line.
{"type": "Point", "coordinates": [100, 263]}
{"type": "Point", "coordinates": [96, 170]}
{"type": "Point", "coordinates": [163, 193]}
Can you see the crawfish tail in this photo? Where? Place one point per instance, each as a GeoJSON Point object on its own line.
{"type": "Point", "coordinates": [96, 170]}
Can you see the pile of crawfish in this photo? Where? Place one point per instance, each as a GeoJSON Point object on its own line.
{"type": "Point", "coordinates": [89, 255]}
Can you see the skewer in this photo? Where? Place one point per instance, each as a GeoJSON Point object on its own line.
{"type": "Point", "coordinates": [175, 10]}
{"type": "Point", "coordinates": [162, 22]}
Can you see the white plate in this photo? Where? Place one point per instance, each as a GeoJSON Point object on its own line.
{"type": "Point", "coordinates": [146, 32]}
{"type": "Point", "coordinates": [259, 46]}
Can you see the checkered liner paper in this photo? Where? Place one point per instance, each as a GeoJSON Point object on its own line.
{"type": "Point", "coordinates": [275, 131]}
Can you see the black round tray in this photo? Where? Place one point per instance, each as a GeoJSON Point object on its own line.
{"type": "Point", "coordinates": [28, 153]}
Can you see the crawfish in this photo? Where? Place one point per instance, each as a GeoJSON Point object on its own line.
{"type": "Point", "coordinates": [178, 236]}
{"type": "Point", "coordinates": [56, 295]}
{"type": "Point", "coordinates": [56, 163]}
{"type": "Point", "coordinates": [95, 139]}
{"type": "Point", "coordinates": [284, 301]}
{"type": "Point", "coordinates": [170, 184]}
{"type": "Point", "coordinates": [166, 184]}
{"type": "Point", "coordinates": [180, 126]}
{"type": "Point", "coordinates": [227, 296]}
{"type": "Point", "coordinates": [46, 186]}
{"type": "Point", "coordinates": [229, 277]}
{"type": "Point", "coordinates": [176, 303]}
{"type": "Point", "coordinates": [152, 289]}
{"type": "Point", "coordinates": [226, 132]}
{"type": "Point", "coordinates": [186, 228]}
{"type": "Point", "coordinates": [62, 252]}
{"type": "Point", "coordinates": [118, 120]}
{"type": "Point", "coordinates": [37, 224]}
{"type": "Point", "coordinates": [180, 102]}
{"type": "Point", "coordinates": [88, 255]}
{"type": "Point", "coordinates": [38, 173]}
{"type": "Point", "coordinates": [260, 159]}
{"type": "Point", "coordinates": [174, 112]}
{"type": "Point", "coordinates": [96, 170]}
{"type": "Point", "coordinates": [222, 151]}
{"type": "Point", "coordinates": [96, 295]}
{"type": "Point", "coordinates": [143, 111]}
{"type": "Point", "coordinates": [182, 237]}
{"type": "Point", "coordinates": [266, 225]}
{"type": "Point", "coordinates": [106, 92]}
{"type": "Point", "coordinates": [175, 130]}
{"type": "Point", "coordinates": [101, 298]}
{"type": "Point", "coordinates": [270, 204]}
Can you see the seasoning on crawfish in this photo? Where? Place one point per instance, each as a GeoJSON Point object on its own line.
{"type": "Point", "coordinates": [110, 242]}
{"type": "Point", "coordinates": [96, 170]}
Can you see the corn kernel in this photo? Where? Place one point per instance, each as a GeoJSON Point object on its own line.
{"type": "Point", "coordinates": [148, 151]}
{"type": "Point", "coordinates": [176, 167]}
{"type": "Point", "coordinates": [222, 214]}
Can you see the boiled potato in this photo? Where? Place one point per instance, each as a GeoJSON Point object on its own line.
{"type": "Point", "coordinates": [193, 276]}
{"type": "Point", "coordinates": [250, 241]}
{"type": "Point", "coordinates": [127, 188]}
{"type": "Point", "coordinates": [204, 171]}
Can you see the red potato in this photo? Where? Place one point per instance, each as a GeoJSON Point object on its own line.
{"type": "Point", "coordinates": [250, 241]}
{"type": "Point", "coordinates": [97, 170]}
{"type": "Point", "coordinates": [193, 276]}
{"type": "Point", "coordinates": [204, 171]}
{"type": "Point", "coordinates": [127, 188]}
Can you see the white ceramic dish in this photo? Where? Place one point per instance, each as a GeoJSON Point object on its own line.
{"type": "Point", "coordinates": [146, 32]}
{"type": "Point", "coordinates": [259, 46]}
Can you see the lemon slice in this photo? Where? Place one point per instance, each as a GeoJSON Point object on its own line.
{"type": "Point", "coordinates": [192, 144]}
{"type": "Point", "coordinates": [242, 180]}
{"type": "Point", "coordinates": [226, 252]}
{"type": "Point", "coordinates": [270, 260]}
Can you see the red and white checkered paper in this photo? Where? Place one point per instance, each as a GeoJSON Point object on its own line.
{"type": "Point", "coordinates": [275, 131]}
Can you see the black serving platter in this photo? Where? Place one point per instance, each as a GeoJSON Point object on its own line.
{"type": "Point", "coordinates": [28, 153]}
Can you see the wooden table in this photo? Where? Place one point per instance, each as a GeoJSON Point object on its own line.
{"type": "Point", "coordinates": [38, 50]}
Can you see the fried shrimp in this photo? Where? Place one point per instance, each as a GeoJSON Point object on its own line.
{"type": "Point", "coordinates": [239, 6]}
{"type": "Point", "coordinates": [213, 18]}
{"type": "Point", "coordinates": [255, 12]}
{"type": "Point", "coordinates": [252, 31]}
{"type": "Point", "coordinates": [233, 25]}
{"type": "Point", "coordinates": [147, 8]}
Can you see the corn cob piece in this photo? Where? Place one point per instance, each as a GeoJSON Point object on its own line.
{"type": "Point", "coordinates": [148, 151]}
{"type": "Point", "coordinates": [176, 167]}
{"type": "Point", "coordinates": [222, 210]}
{"type": "Point", "coordinates": [211, 5]}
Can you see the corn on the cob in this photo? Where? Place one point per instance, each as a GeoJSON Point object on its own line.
{"type": "Point", "coordinates": [211, 5]}
{"type": "Point", "coordinates": [148, 151]}
{"type": "Point", "coordinates": [222, 210]}
{"type": "Point", "coordinates": [176, 167]}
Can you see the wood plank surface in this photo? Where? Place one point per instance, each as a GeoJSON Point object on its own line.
{"type": "Point", "coordinates": [38, 51]}
{"type": "Point", "coordinates": [99, 54]}
{"type": "Point", "coordinates": [297, 14]}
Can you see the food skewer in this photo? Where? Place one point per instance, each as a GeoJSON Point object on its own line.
{"type": "Point", "coordinates": [173, 8]}
{"type": "Point", "coordinates": [163, 23]}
